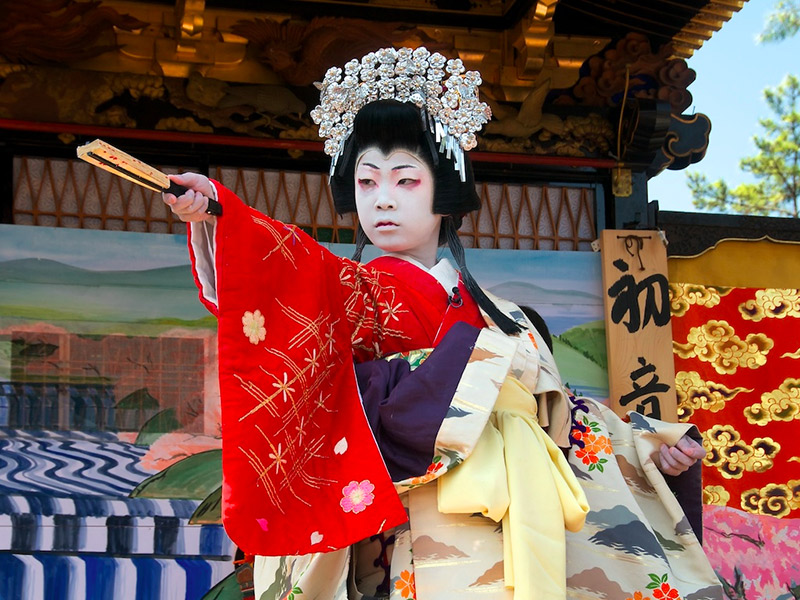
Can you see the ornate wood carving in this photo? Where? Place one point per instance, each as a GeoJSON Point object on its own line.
{"type": "Point", "coordinates": [198, 69]}
{"type": "Point", "coordinates": [685, 144]}
{"type": "Point", "coordinates": [58, 31]}
{"type": "Point", "coordinates": [534, 38]}
{"type": "Point", "coordinates": [301, 52]}
{"type": "Point", "coordinates": [196, 104]}
{"type": "Point", "coordinates": [652, 75]}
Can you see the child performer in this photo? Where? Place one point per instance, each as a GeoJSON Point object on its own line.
{"type": "Point", "coordinates": [396, 479]}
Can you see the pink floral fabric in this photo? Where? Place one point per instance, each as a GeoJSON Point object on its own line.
{"type": "Point", "coordinates": [357, 496]}
{"type": "Point", "coordinates": [755, 556]}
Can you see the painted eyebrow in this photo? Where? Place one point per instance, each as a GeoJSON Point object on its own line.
{"type": "Point", "coordinates": [397, 168]}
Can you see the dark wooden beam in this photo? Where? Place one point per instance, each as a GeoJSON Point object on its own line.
{"type": "Point", "coordinates": [441, 12]}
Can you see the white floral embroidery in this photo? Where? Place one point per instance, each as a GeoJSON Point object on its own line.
{"type": "Point", "coordinates": [313, 361]}
{"type": "Point", "coordinates": [391, 312]}
{"type": "Point", "coordinates": [284, 386]}
{"type": "Point", "coordinates": [340, 447]}
{"type": "Point", "coordinates": [300, 428]}
{"type": "Point", "coordinates": [277, 457]}
{"type": "Point", "coordinates": [253, 326]}
{"type": "Point", "coordinates": [329, 337]}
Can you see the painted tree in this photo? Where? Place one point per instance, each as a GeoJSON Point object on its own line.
{"type": "Point", "coordinates": [775, 167]}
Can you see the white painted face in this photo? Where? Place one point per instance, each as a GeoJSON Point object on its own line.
{"type": "Point", "coordinates": [394, 200]}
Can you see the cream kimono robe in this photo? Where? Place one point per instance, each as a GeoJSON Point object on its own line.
{"type": "Point", "coordinates": [502, 516]}
{"type": "Point", "coordinates": [498, 512]}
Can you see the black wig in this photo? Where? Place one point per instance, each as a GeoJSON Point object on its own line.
{"type": "Point", "coordinates": [392, 125]}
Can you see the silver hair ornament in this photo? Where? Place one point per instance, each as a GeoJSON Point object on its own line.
{"type": "Point", "coordinates": [445, 92]}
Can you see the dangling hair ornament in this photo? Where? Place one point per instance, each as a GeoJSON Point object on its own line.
{"type": "Point", "coordinates": [447, 97]}
{"type": "Point", "coordinates": [445, 93]}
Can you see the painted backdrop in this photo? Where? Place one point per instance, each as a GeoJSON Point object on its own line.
{"type": "Point", "coordinates": [109, 406]}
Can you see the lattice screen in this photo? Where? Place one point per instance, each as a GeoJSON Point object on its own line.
{"type": "Point", "coordinates": [70, 193]}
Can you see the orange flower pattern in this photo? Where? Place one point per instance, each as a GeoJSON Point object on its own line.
{"type": "Point", "coordinates": [436, 468]}
{"type": "Point", "coordinates": [590, 444]}
{"type": "Point", "coordinates": [406, 585]}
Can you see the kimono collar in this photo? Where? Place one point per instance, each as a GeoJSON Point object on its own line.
{"type": "Point", "coordinates": [443, 271]}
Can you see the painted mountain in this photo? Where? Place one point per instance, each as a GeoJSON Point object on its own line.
{"type": "Point", "coordinates": [47, 290]}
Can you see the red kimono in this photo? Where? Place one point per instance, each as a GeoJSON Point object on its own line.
{"type": "Point", "coordinates": [302, 472]}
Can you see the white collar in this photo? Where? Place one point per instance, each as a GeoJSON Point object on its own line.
{"type": "Point", "coordinates": [442, 271]}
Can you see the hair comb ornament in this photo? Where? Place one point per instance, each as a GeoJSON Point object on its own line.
{"type": "Point", "coordinates": [442, 88]}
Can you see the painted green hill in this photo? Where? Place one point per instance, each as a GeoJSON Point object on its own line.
{"type": "Point", "coordinates": [48, 290]}
{"type": "Point", "coordinates": [590, 340]}
{"type": "Point", "coordinates": [35, 270]}
{"type": "Point", "coordinates": [579, 372]}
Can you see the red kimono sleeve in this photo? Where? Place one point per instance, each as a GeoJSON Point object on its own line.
{"type": "Point", "coordinates": [301, 470]}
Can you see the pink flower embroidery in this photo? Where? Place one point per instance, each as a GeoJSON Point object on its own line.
{"type": "Point", "coordinates": [357, 496]}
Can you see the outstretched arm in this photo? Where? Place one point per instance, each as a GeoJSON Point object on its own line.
{"type": "Point", "coordinates": [364, 296]}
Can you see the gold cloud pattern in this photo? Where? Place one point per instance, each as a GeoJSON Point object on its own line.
{"type": "Point", "coordinates": [782, 404]}
{"type": "Point", "coordinates": [772, 303]}
{"type": "Point", "coordinates": [774, 499]}
{"type": "Point", "coordinates": [795, 354]}
{"type": "Point", "coordinates": [683, 295]}
{"type": "Point", "coordinates": [732, 456]}
{"type": "Point", "coordinates": [716, 342]}
{"type": "Point", "coordinates": [716, 495]}
{"type": "Point", "coordinates": [696, 394]}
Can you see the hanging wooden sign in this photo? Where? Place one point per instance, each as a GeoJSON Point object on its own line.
{"type": "Point", "coordinates": [641, 371]}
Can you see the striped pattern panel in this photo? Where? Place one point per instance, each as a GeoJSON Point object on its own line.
{"type": "Point", "coordinates": [94, 506]}
{"type": "Point", "coordinates": [68, 492]}
{"type": "Point", "coordinates": [58, 577]}
{"type": "Point", "coordinates": [118, 536]}
{"type": "Point", "coordinates": [67, 465]}
{"type": "Point", "coordinates": [94, 436]}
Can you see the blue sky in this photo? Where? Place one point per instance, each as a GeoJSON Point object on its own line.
{"type": "Point", "coordinates": [732, 70]}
